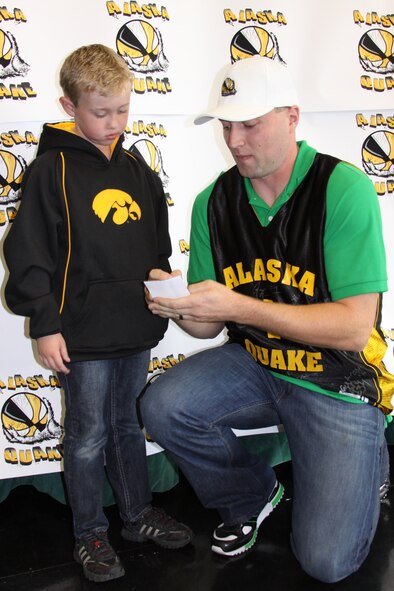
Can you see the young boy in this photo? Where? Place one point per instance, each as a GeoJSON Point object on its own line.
{"type": "Point", "coordinates": [92, 223]}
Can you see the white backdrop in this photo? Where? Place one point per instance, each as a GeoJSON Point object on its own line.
{"type": "Point", "coordinates": [342, 60]}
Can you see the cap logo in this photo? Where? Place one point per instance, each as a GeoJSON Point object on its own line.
{"type": "Point", "coordinates": [228, 87]}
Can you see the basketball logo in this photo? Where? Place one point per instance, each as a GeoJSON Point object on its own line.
{"type": "Point", "coordinates": [11, 63]}
{"type": "Point", "coordinates": [27, 418]}
{"type": "Point", "coordinates": [141, 46]}
{"type": "Point", "coordinates": [375, 50]}
{"type": "Point", "coordinates": [5, 49]}
{"type": "Point", "coordinates": [228, 87]}
{"type": "Point", "coordinates": [11, 172]}
{"type": "Point", "coordinates": [378, 154]}
{"type": "Point", "coordinates": [152, 156]}
{"type": "Point", "coordinates": [251, 41]}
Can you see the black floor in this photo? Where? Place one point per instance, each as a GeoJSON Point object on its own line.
{"type": "Point", "coordinates": [36, 547]}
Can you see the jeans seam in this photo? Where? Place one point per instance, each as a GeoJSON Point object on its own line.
{"type": "Point", "coordinates": [121, 471]}
{"type": "Point", "coordinates": [366, 535]}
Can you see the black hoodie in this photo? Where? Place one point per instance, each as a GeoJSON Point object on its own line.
{"type": "Point", "coordinates": [87, 232]}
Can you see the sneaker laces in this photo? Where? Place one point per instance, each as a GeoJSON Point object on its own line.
{"type": "Point", "coordinates": [158, 518]}
{"type": "Point", "coordinates": [99, 546]}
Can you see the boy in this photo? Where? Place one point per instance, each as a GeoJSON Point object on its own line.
{"type": "Point", "coordinates": [92, 222]}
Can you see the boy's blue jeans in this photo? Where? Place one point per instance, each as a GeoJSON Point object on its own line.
{"type": "Point", "coordinates": [337, 451]}
{"type": "Point", "coordinates": [101, 423]}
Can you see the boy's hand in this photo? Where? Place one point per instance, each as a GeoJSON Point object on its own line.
{"type": "Point", "coordinates": [159, 275]}
{"type": "Point", "coordinates": [53, 353]}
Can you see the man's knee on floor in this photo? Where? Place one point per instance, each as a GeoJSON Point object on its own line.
{"type": "Point", "coordinates": [325, 565]}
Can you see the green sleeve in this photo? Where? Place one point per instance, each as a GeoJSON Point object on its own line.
{"type": "Point", "coordinates": [353, 241]}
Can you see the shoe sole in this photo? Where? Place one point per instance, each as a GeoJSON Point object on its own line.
{"type": "Point", "coordinates": [96, 577]}
{"type": "Point", "coordinates": [269, 507]}
{"type": "Point", "coordinates": [137, 537]}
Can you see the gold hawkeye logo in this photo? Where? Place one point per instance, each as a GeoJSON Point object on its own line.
{"type": "Point", "coordinates": [125, 207]}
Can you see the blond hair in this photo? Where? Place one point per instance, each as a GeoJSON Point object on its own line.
{"type": "Point", "coordinates": [93, 68]}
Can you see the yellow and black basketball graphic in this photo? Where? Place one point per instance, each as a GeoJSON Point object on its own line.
{"type": "Point", "coordinates": [26, 418]}
{"type": "Point", "coordinates": [141, 46]}
{"type": "Point", "coordinates": [25, 414]}
{"type": "Point", "coordinates": [251, 41]}
{"type": "Point", "coordinates": [376, 51]}
{"type": "Point", "coordinates": [6, 50]}
{"type": "Point", "coordinates": [152, 156]}
{"type": "Point", "coordinates": [11, 64]}
{"type": "Point", "coordinates": [378, 154]}
{"type": "Point", "coordinates": [11, 172]}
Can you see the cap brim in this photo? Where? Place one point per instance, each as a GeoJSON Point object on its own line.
{"type": "Point", "coordinates": [233, 113]}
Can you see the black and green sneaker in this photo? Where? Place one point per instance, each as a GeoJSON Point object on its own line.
{"type": "Point", "coordinates": [99, 560]}
{"type": "Point", "coordinates": [230, 540]}
{"type": "Point", "coordinates": [154, 524]}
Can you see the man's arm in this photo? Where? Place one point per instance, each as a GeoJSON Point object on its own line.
{"type": "Point", "coordinates": [345, 324]}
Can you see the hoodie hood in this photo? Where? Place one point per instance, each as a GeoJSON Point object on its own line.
{"type": "Point", "coordinates": [62, 136]}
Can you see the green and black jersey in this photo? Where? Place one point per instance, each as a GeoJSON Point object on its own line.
{"type": "Point", "coordinates": [320, 242]}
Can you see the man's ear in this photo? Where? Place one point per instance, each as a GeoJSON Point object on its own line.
{"type": "Point", "coordinates": [67, 105]}
{"type": "Point", "coordinates": [294, 114]}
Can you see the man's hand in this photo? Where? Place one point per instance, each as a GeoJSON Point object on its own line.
{"type": "Point", "coordinates": [208, 301]}
{"type": "Point", "coordinates": [53, 353]}
{"type": "Point", "coordinates": [202, 313]}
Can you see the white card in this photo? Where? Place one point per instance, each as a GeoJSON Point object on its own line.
{"type": "Point", "coordinates": [175, 287]}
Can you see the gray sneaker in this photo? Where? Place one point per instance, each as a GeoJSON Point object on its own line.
{"type": "Point", "coordinates": [99, 560]}
{"type": "Point", "coordinates": [154, 524]}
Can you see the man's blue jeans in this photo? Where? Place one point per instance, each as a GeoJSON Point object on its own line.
{"type": "Point", "coordinates": [100, 425]}
{"type": "Point", "coordinates": [336, 450]}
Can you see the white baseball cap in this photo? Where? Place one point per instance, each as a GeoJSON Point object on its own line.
{"type": "Point", "coordinates": [250, 88]}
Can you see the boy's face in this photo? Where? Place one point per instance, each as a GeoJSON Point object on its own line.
{"type": "Point", "coordinates": [100, 119]}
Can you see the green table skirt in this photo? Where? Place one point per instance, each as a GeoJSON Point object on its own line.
{"type": "Point", "coordinates": [163, 473]}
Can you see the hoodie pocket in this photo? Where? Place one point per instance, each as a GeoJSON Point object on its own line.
{"type": "Point", "coordinates": [115, 317]}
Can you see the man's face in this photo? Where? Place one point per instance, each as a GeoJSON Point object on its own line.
{"type": "Point", "coordinates": [261, 146]}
